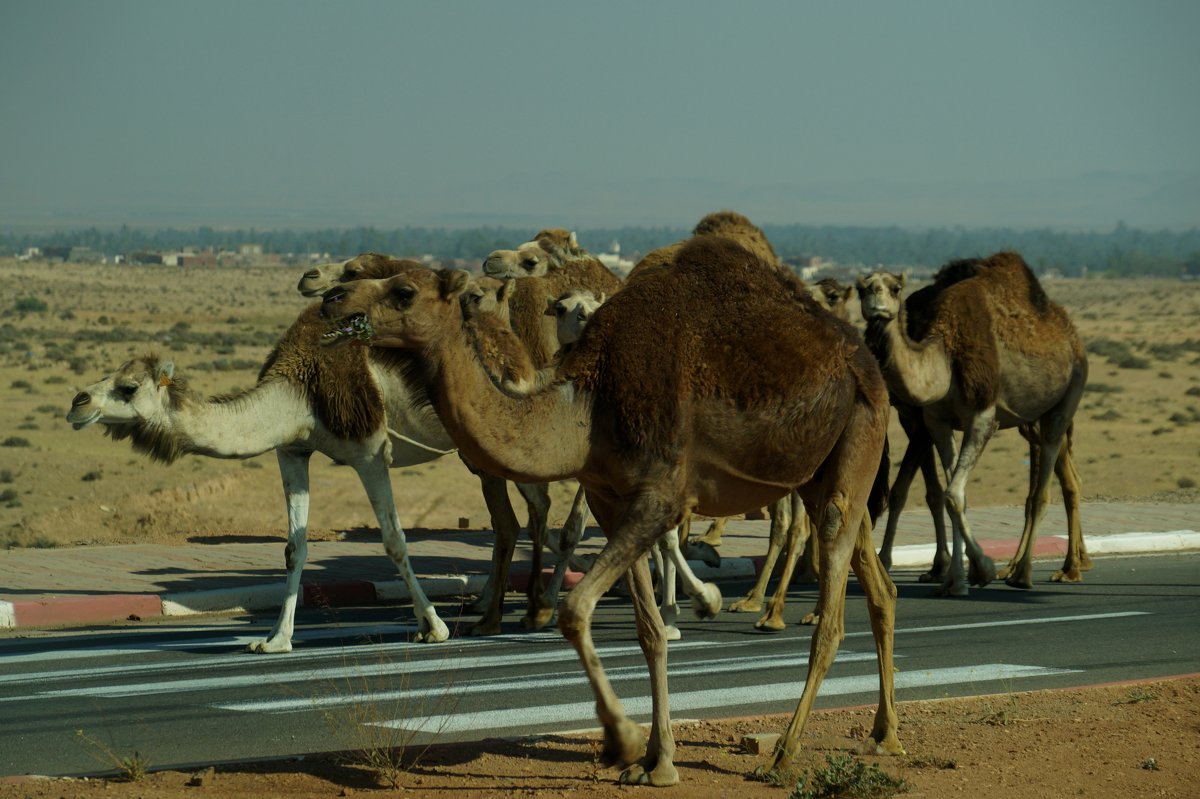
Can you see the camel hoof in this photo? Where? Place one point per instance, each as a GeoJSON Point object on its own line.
{"type": "Point", "coordinates": [703, 552]}
{"type": "Point", "coordinates": [890, 745]}
{"type": "Point", "coordinates": [708, 603]}
{"type": "Point", "coordinates": [624, 744]}
{"type": "Point", "coordinates": [952, 589]}
{"type": "Point", "coordinates": [1085, 563]}
{"type": "Point", "coordinates": [811, 618]}
{"type": "Point", "coordinates": [1072, 576]}
{"type": "Point", "coordinates": [672, 632]}
{"type": "Point", "coordinates": [769, 623]}
{"type": "Point", "coordinates": [983, 572]}
{"type": "Point", "coordinates": [1017, 581]}
{"type": "Point", "coordinates": [662, 775]}
{"type": "Point", "coordinates": [270, 646]}
{"type": "Point", "coordinates": [747, 605]}
{"type": "Point", "coordinates": [538, 620]}
{"type": "Point", "coordinates": [484, 627]}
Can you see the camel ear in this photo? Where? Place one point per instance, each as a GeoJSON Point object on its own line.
{"type": "Point", "coordinates": [600, 299]}
{"type": "Point", "coordinates": [166, 371]}
{"type": "Point", "coordinates": [848, 293]}
{"type": "Point", "coordinates": [573, 242]}
{"type": "Point", "coordinates": [504, 293]}
{"type": "Point", "coordinates": [455, 283]}
{"type": "Point", "coordinates": [900, 279]}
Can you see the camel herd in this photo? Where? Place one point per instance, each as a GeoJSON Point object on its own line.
{"type": "Point", "coordinates": [710, 381]}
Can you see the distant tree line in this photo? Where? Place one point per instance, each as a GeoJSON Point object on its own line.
{"type": "Point", "coordinates": [1123, 251]}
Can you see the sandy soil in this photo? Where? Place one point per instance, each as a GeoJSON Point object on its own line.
{"type": "Point", "coordinates": [1119, 741]}
{"type": "Point", "coordinates": [1137, 437]}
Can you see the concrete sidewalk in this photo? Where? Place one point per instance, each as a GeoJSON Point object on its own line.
{"type": "Point", "coordinates": [103, 584]}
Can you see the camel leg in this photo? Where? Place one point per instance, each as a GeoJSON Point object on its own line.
{"type": "Point", "coordinates": [706, 597]}
{"type": "Point", "coordinates": [898, 496]}
{"type": "Point", "coordinates": [569, 538]}
{"type": "Point", "coordinates": [538, 610]}
{"type": "Point", "coordinates": [936, 503]}
{"type": "Point", "coordinates": [1018, 573]}
{"type": "Point", "coordinates": [640, 525]}
{"type": "Point", "coordinates": [809, 565]}
{"type": "Point", "coordinates": [958, 468]}
{"type": "Point", "coordinates": [753, 601]}
{"type": "Point", "coordinates": [665, 564]}
{"type": "Point", "coordinates": [712, 536]}
{"type": "Point", "coordinates": [1077, 559]}
{"type": "Point", "coordinates": [375, 479]}
{"type": "Point", "coordinates": [836, 547]}
{"type": "Point", "coordinates": [506, 528]}
{"type": "Point", "coordinates": [657, 767]}
{"type": "Point", "coordinates": [881, 605]}
{"type": "Point", "coordinates": [293, 469]}
{"type": "Point", "coordinates": [773, 618]}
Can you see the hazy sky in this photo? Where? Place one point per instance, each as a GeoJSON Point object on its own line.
{"type": "Point", "coordinates": [301, 114]}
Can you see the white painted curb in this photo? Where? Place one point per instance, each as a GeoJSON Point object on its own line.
{"type": "Point", "coordinates": [8, 616]}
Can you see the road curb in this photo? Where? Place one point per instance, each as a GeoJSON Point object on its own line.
{"type": "Point", "coordinates": [108, 608]}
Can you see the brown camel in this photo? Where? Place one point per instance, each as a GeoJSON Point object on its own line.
{"type": "Point", "coordinates": [489, 303]}
{"type": "Point", "coordinates": [990, 351]}
{"type": "Point", "coordinates": [658, 421]}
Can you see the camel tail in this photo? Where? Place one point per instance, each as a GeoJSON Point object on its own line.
{"type": "Point", "coordinates": [878, 498]}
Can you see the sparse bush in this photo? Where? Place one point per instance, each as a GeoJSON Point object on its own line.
{"type": "Point", "coordinates": [1133, 362]}
{"type": "Point", "coordinates": [6, 476]}
{"type": "Point", "coordinates": [15, 441]}
{"type": "Point", "coordinates": [91, 477]}
{"type": "Point", "coordinates": [847, 777]}
{"type": "Point", "coordinates": [8, 495]}
{"type": "Point", "coordinates": [30, 305]}
{"type": "Point", "coordinates": [55, 380]}
{"type": "Point", "coordinates": [1108, 416]}
{"type": "Point", "coordinates": [1102, 388]}
{"type": "Point", "coordinates": [1185, 482]}
{"type": "Point", "coordinates": [19, 385]}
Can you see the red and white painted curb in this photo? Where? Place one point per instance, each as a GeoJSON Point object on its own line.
{"type": "Point", "coordinates": [107, 608]}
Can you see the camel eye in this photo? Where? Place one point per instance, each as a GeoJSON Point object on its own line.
{"type": "Point", "coordinates": [404, 294]}
{"type": "Point", "coordinates": [530, 264]}
{"type": "Point", "coordinates": [895, 290]}
{"type": "Point", "coordinates": [127, 390]}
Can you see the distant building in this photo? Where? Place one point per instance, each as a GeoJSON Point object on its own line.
{"type": "Point", "coordinates": [250, 250]}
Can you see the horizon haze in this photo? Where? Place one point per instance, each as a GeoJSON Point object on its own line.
{"type": "Point", "coordinates": [1072, 115]}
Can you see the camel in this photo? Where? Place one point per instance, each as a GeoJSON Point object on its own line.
{"type": "Point", "coordinates": [919, 454]}
{"type": "Point", "coordinates": [571, 311]}
{"type": "Point", "coordinates": [988, 350]}
{"type": "Point", "coordinates": [488, 303]}
{"type": "Point", "coordinates": [658, 421]}
{"type": "Point", "coordinates": [298, 407]}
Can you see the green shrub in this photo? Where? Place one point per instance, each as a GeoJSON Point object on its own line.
{"type": "Point", "coordinates": [847, 777]}
{"type": "Point", "coordinates": [30, 305]}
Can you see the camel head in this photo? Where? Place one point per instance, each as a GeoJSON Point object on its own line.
{"type": "Point", "coordinates": [136, 392]}
{"type": "Point", "coordinates": [487, 295]}
{"type": "Point", "coordinates": [572, 310]}
{"type": "Point", "coordinates": [879, 295]}
{"type": "Point", "coordinates": [319, 279]}
{"type": "Point", "coordinates": [832, 296]}
{"type": "Point", "coordinates": [408, 311]}
{"type": "Point", "coordinates": [548, 251]}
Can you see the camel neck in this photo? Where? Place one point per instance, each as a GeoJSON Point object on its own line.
{"type": "Point", "coordinates": [536, 436]}
{"type": "Point", "coordinates": [917, 372]}
{"type": "Point", "coordinates": [271, 414]}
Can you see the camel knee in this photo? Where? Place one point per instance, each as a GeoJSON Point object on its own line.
{"type": "Point", "coordinates": [833, 518]}
{"type": "Point", "coordinates": [571, 619]}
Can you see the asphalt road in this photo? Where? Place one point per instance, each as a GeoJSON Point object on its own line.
{"type": "Point", "coordinates": [186, 695]}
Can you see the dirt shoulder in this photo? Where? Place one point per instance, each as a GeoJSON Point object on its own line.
{"type": "Point", "coordinates": [1134, 739]}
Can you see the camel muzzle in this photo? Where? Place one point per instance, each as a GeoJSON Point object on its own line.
{"type": "Point", "coordinates": [82, 398]}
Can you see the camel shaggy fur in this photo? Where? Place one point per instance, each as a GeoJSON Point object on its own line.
{"type": "Point", "coordinates": [754, 393]}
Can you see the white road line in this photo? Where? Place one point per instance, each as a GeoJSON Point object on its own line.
{"type": "Point", "coordinates": [684, 701]}
{"type": "Point", "coordinates": [452, 690]}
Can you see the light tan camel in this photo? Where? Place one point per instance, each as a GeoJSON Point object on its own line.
{"type": "Point", "coordinates": [489, 304]}
{"type": "Point", "coordinates": [990, 351]}
{"type": "Point", "coordinates": [571, 311]}
{"type": "Point", "coordinates": [298, 407]}
{"type": "Point", "coordinates": [657, 421]}
{"type": "Point", "coordinates": [919, 454]}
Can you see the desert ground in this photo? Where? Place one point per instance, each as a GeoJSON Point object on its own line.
{"type": "Point", "coordinates": [1137, 436]}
